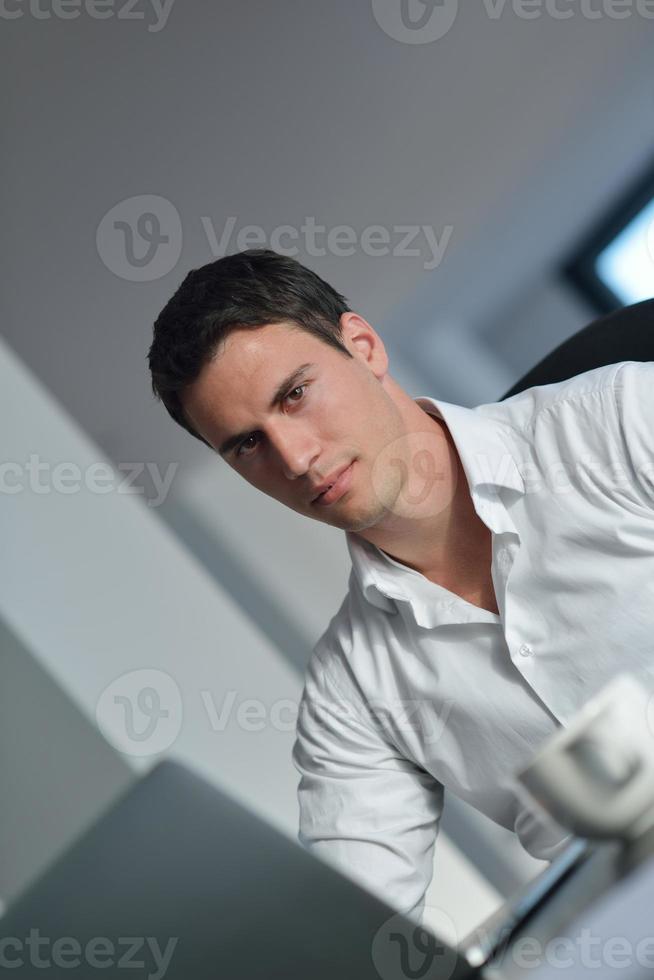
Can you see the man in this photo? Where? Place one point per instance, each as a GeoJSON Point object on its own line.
{"type": "Point", "coordinates": [502, 557]}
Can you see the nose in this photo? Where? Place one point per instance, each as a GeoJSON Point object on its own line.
{"type": "Point", "coordinates": [295, 446]}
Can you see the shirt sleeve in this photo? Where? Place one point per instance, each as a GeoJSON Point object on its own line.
{"type": "Point", "coordinates": [634, 397]}
{"type": "Point", "coordinates": [364, 808]}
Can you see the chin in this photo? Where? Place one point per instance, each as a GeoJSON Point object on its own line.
{"type": "Point", "coordinates": [358, 520]}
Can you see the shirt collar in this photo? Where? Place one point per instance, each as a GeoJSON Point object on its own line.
{"type": "Point", "coordinates": [483, 443]}
{"type": "Point", "coordinates": [484, 447]}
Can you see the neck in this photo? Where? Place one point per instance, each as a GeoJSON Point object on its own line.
{"type": "Point", "coordinates": [451, 545]}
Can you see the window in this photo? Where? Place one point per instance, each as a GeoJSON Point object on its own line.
{"type": "Point", "coordinates": [615, 266]}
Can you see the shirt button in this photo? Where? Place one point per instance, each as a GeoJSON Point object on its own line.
{"type": "Point", "coordinates": [525, 650]}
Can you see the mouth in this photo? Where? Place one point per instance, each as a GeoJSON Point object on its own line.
{"type": "Point", "coordinates": [336, 489]}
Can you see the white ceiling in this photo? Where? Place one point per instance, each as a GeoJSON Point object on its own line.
{"type": "Point", "coordinates": [515, 132]}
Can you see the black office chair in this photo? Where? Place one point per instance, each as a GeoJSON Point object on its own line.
{"type": "Point", "coordinates": [625, 335]}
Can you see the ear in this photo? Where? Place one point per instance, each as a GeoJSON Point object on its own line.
{"type": "Point", "coordinates": [364, 343]}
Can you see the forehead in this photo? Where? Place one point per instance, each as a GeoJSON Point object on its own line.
{"type": "Point", "coordinates": [248, 349]}
{"type": "Point", "coordinates": [236, 386]}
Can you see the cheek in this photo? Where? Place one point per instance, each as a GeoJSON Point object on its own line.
{"type": "Point", "coordinates": [265, 479]}
{"type": "Point", "coordinates": [251, 473]}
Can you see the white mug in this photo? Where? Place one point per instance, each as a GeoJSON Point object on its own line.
{"type": "Point", "coordinates": [596, 775]}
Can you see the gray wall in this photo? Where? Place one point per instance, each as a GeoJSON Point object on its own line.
{"type": "Point", "coordinates": [58, 773]}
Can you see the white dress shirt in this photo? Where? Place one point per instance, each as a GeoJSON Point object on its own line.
{"type": "Point", "coordinates": [412, 689]}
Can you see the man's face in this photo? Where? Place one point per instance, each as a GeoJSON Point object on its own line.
{"type": "Point", "coordinates": [299, 426]}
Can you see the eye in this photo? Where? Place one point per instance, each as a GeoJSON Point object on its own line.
{"type": "Point", "coordinates": [298, 388]}
{"type": "Point", "coordinates": [244, 444]}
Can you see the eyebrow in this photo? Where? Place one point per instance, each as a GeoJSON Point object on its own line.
{"type": "Point", "coordinates": [286, 385]}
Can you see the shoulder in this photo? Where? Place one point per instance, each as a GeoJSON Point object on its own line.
{"type": "Point", "coordinates": [583, 392]}
{"type": "Point", "coordinates": [333, 714]}
{"type": "Point", "coordinates": [596, 425]}
{"type": "Point", "coordinates": [326, 668]}
{"type": "Point", "coordinates": [578, 414]}
{"type": "Point", "coordinates": [339, 662]}
{"type": "Point", "coordinates": [634, 398]}
{"type": "Point", "coordinates": [634, 385]}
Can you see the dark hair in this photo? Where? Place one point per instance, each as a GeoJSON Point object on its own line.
{"type": "Point", "coordinates": [248, 289]}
